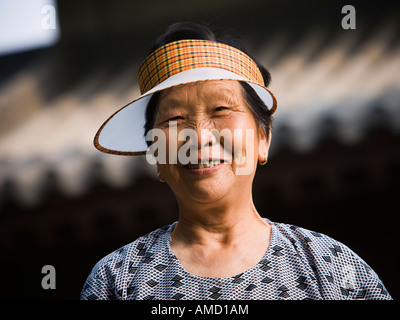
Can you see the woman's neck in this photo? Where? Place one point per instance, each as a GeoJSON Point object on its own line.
{"type": "Point", "coordinates": [218, 224]}
{"type": "Point", "coordinates": [220, 241]}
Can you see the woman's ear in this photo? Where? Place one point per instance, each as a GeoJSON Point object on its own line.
{"type": "Point", "coordinates": [263, 144]}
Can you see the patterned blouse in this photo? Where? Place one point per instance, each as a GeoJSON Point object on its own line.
{"type": "Point", "coordinates": [299, 264]}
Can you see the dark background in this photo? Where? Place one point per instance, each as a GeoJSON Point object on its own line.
{"type": "Point", "coordinates": [347, 190]}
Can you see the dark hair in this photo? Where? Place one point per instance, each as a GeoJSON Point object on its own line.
{"type": "Point", "coordinates": [188, 30]}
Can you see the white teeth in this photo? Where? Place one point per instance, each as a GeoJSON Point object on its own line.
{"type": "Point", "coordinates": [215, 162]}
{"type": "Point", "coordinates": [209, 164]}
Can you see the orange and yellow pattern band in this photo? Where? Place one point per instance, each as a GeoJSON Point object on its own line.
{"type": "Point", "coordinates": [183, 55]}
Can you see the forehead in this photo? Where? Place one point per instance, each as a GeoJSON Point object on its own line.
{"type": "Point", "coordinates": [203, 91]}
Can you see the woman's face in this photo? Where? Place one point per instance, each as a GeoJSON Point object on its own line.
{"type": "Point", "coordinates": [206, 109]}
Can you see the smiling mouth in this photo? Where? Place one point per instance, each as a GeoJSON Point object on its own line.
{"type": "Point", "coordinates": [209, 164]}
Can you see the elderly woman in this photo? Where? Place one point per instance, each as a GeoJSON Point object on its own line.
{"type": "Point", "coordinates": [209, 99]}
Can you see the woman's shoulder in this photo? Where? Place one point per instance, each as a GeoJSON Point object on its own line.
{"type": "Point", "coordinates": [137, 248]}
{"type": "Point", "coordinates": [333, 262]}
{"type": "Point", "coordinates": [102, 280]}
{"type": "Point", "coordinates": [308, 237]}
{"type": "Point", "coordinates": [320, 245]}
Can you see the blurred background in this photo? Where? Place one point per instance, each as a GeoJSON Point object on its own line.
{"type": "Point", "coordinates": [334, 165]}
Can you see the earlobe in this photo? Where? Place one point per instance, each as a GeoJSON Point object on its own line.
{"type": "Point", "coordinates": [263, 146]}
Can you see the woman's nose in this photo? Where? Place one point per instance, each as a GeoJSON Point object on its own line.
{"type": "Point", "coordinates": [205, 138]}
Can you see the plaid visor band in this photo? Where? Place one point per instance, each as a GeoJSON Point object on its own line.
{"type": "Point", "coordinates": [184, 55]}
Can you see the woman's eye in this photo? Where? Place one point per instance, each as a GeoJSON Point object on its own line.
{"type": "Point", "coordinates": [221, 108]}
{"type": "Point", "coordinates": [175, 118]}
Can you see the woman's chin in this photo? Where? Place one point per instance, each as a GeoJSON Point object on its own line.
{"type": "Point", "coordinates": [208, 190]}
